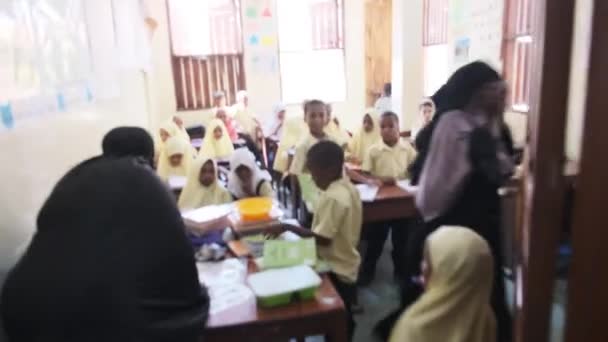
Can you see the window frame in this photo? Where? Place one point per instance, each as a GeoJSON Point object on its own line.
{"type": "Point", "coordinates": [196, 78]}
{"type": "Point", "coordinates": [517, 54]}
{"type": "Point", "coordinates": [435, 13]}
{"type": "Point", "coordinates": [340, 32]}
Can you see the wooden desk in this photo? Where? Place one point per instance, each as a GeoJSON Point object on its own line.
{"type": "Point", "coordinates": [392, 202]}
{"type": "Point", "coordinates": [324, 315]}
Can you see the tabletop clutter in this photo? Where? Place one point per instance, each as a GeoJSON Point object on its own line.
{"type": "Point", "coordinates": [233, 239]}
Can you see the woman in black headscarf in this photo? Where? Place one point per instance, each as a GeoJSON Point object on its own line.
{"type": "Point", "coordinates": [109, 261]}
{"type": "Point", "coordinates": [128, 141]}
{"type": "Point", "coordinates": [465, 155]}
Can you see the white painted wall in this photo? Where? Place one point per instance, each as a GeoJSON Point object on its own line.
{"type": "Point", "coordinates": [264, 89]}
{"type": "Point", "coordinates": [37, 152]}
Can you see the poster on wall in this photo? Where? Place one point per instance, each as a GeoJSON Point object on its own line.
{"type": "Point", "coordinates": [461, 51]}
{"type": "Point", "coordinates": [45, 61]}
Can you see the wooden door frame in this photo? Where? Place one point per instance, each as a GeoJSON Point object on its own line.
{"type": "Point", "coordinates": [544, 185]}
{"type": "Point", "coordinates": [588, 278]}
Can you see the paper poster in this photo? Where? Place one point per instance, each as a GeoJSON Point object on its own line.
{"type": "Point", "coordinates": [6, 114]}
{"type": "Point", "coordinates": [461, 51]}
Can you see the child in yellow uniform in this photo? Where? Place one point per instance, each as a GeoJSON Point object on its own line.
{"type": "Point", "coordinates": [175, 158]}
{"type": "Point", "coordinates": [202, 186]}
{"type": "Point", "coordinates": [333, 129]}
{"type": "Point", "coordinates": [455, 305]}
{"type": "Point", "coordinates": [387, 162]}
{"type": "Point", "coordinates": [368, 135]}
{"type": "Point", "coordinates": [316, 112]}
{"type": "Point", "coordinates": [217, 143]}
{"type": "Point", "coordinates": [243, 115]}
{"type": "Point", "coordinates": [293, 132]}
{"type": "Point", "coordinates": [246, 179]}
{"type": "Point", "coordinates": [337, 222]}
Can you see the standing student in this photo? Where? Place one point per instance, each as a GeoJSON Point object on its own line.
{"type": "Point", "coordinates": [217, 144]}
{"type": "Point", "coordinates": [109, 261]}
{"type": "Point", "coordinates": [175, 159]}
{"type": "Point", "coordinates": [202, 186]}
{"type": "Point", "coordinates": [455, 306]}
{"type": "Point", "coordinates": [387, 162]}
{"type": "Point", "coordinates": [246, 179]}
{"type": "Point", "coordinates": [384, 103]}
{"type": "Point", "coordinates": [128, 142]}
{"type": "Point", "coordinates": [219, 100]}
{"type": "Point", "coordinates": [364, 138]}
{"type": "Point", "coordinates": [337, 221]}
{"type": "Point", "coordinates": [465, 164]}
{"type": "Point", "coordinates": [316, 113]}
{"type": "Point", "coordinates": [294, 131]}
{"type": "Point", "coordinates": [426, 111]}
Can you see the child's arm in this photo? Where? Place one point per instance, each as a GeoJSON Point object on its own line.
{"type": "Point", "coordinates": [321, 240]}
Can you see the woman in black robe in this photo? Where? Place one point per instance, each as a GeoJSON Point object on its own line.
{"type": "Point", "coordinates": [465, 155]}
{"type": "Point", "coordinates": [109, 261]}
{"type": "Point", "coordinates": [128, 141]}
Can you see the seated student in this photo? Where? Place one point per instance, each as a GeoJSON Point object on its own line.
{"type": "Point", "coordinates": [294, 131]}
{"type": "Point", "coordinates": [245, 178]}
{"type": "Point", "coordinates": [427, 109]}
{"type": "Point", "coordinates": [384, 103]}
{"type": "Point", "coordinates": [109, 261]}
{"type": "Point", "coordinates": [364, 138]}
{"type": "Point", "coordinates": [332, 128]}
{"type": "Point", "coordinates": [243, 115]}
{"type": "Point", "coordinates": [202, 186]}
{"type": "Point", "coordinates": [455, 306]}
{"type": "Point", "coordinates": [387, 162]}
{"type": "Point", "coordinates": [229, 124]}
{"type": "Point", "coordinates": [175, 159]}
{"type": "Point", "coordinates": [217, 144]}
{"type": "Point", "coordinates": [128, 142]}
{"type": "Point", "coordinates": [337, 221]}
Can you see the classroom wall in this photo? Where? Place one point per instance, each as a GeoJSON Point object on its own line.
{"type": "Point", "coordinates": [38, 151]}
{"type": "Point", "coordinates": [264, 88]}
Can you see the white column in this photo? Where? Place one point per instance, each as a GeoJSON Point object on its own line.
{"type": "Point", "coordinates": [407, 63]}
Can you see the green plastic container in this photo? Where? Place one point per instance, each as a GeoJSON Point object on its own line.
{"type": "Point", "coordinates": [278, 287]}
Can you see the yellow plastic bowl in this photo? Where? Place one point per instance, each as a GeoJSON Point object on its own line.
{"type": "Point", "coordinates": [254, 209]}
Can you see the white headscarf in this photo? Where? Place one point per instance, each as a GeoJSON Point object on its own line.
{"type": "Point", "coordinates": [244, 157]}
{"type": "Point", "coordinates": [274, 125]}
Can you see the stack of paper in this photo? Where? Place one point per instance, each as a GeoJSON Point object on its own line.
{"type": "Point", "coordinates": [208, 213]}
{"type": "Point", "coordinates": [367, 192]}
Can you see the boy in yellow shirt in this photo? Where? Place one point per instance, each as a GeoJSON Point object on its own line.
{"type": "Point", "coordinates": [337, 221]}
{"type": "Point", "coordinates": [387, 162]}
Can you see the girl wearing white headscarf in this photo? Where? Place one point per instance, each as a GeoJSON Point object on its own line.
{"type": "Point", "coordinates": [274, 127]}
{"type": "Point", "coordinates": [455, 306]}
{"type": "Point", "coordinates": [202, 186]}
{"type": "Point", "coordinates": [246, 179]}
{"type": "Point", "coordinates": [175, 158]}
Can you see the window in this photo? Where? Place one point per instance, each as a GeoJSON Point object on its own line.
{"type": "Point", "coordinates": [207, 51]}
{"type": "Point", "coordinates": [435, 42]}
{"type": "Point", "coordinates": [311, 50]}
{"type": "Point", "coordinates": [517, 53]}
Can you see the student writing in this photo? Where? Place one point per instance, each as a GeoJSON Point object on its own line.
{"type": "Point", "coordinates": [202, 186]}
{"type": "Point", "coordinates": [246, 179]}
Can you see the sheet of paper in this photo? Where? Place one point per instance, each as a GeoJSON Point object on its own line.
{"type": "Point", "coordinates": [405, 185]}
{"type": "Point", "coordinates": [229, 296]}
{"type": "Point", "coordinates": [367, 192]}
{"type": "Point", "coordinates": [229, 271]}
{"type": "Point", "coordinates": [177, 182]}
{"type": "Point", "coordinates": [208, 213]}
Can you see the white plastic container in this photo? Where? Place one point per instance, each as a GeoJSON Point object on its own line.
{"type": "Point", "coordinates": [279, 286]}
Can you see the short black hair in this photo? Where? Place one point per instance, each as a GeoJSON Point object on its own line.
{"type": "Point", "coordinates": [326, 155]}
{"type": "Point", "coordinates": [387, 89]}
{"type": "Point", "coordinates": [315, 102]}
{"type": "Point", "coordinates": [389, 114]}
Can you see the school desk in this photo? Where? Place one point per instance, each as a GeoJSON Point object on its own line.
{"type": "Point", "coordinates": [391, 202]}
{"type": "Point", "coordinates": [324, 315]}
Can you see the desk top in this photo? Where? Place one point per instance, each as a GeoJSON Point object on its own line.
{"type": "Point", "coordinates": [326, 300]}
{"type": "Point", "coordinates": [392, 192]}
